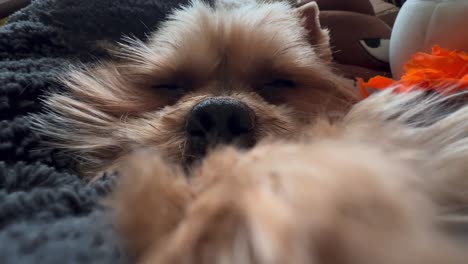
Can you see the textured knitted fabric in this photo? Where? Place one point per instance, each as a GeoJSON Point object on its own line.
{"type": "Point", "coordinates": [48, 214]}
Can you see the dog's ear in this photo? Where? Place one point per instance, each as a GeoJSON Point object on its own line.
{"type": "Point", "coordinates": [318, 37]}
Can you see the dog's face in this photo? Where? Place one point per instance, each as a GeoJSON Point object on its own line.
{"type": "Point", "coordinates": [208, 76]}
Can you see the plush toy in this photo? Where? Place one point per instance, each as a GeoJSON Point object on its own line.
{"type": "Point", "coordinates": [2, 21]}
{"type": "Point", "coordinates": [8, 7]}
{"type": "Point", "coordinates": [359, 39]}
{"type": "Point", "coordinates": [444, 71]}
{"type": "Point", "coordinates": [362, 7]}
{"type": "Point", "coordinates": [422, 24]}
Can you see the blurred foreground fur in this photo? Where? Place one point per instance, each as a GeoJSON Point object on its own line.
{"type": "Point", "coordinates": [371, 188]}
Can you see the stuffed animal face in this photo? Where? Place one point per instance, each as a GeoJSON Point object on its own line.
{"type": "Point", "coordinates": [359, 39]}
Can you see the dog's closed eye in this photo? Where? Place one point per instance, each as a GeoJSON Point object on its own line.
{"type": "Point", "coordinates": [273, 89]}
{"type": "Point", "coordinates": [168, 86]}
{"type": "Point", "coordinates": [280, 83]}
{"type": "Point", "coordinates": [171, 88]}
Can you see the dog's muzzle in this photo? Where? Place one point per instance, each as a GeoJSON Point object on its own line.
{"type": "Point", "coordinates": [219, 121]}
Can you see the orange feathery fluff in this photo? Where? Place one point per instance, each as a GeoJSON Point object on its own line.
{"type": "Point", "coordinates": [442, 71]}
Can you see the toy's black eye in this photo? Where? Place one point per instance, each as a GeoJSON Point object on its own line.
{"type": "Point", "coordinates": [377, 48]}
{"type": "Point", "coordinates": [372, 42]}
{"type": "Point", "coordinates": [280, 83]}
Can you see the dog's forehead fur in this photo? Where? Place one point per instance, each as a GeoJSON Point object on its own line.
{"type": "Point", "coordinates": [240, 42]}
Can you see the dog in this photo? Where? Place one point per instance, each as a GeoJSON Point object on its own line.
{"type": "Point", "coordinates": [306, 175]}
{"type": "Point", "coordinates": [229, 74]}
{"type": "Point", "coordinates": [374, 187]}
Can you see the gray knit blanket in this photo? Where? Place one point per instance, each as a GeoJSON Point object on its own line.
{"type": "Point", "coordinates": [48, 213]}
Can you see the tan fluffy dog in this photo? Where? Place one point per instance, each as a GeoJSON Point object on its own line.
{"type": "Point", "coordinates": [368, 187]}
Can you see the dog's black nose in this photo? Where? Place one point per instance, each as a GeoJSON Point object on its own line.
{"type": "Point", "coordinates": [220, 121]}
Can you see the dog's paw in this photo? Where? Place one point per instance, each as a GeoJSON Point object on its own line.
{"type": "Point", "coordinates": [149, 201]}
